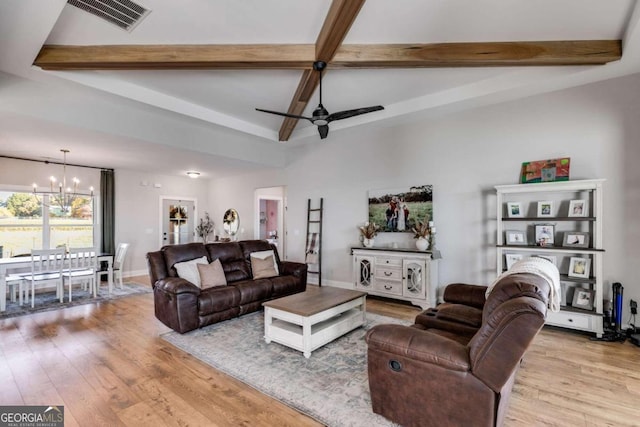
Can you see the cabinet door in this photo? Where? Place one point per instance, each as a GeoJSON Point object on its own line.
{"type": "Point", "coordinates": [414, 278]}
{"type": "Point", "coordinates": [364, 272]}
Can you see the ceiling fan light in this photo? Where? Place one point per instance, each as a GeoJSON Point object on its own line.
{"type": "Point", "coordinates": [193, 174]}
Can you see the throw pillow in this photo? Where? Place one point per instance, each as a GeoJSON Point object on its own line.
{"type": "Point", "coordinates": [188, 270]}
{"type": "Point", "coordinates": [211, 275]}
{"type": "Point", "coordinates": [263, 264]}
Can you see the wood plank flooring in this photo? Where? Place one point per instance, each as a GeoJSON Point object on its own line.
{"type": "Point", "coordinates": [107, 365]}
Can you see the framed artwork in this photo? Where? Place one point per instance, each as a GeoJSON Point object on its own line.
{"type": "Point", "coordinates": [511, 259]}
{"type": "Point", "coordinates": [551, 258]}
{"type": "Point", "coordinates": [514, 210]}
{"type": "Point", "coordinates": [583, 298]}
{"type": "Point", "coordinates": [515, 237]}
{"type": "Point", "coordinates": [398, 210]}
{"type": "Point", "coordinates": [577, 208]}
{"type": "Point", "coordinates": [545, 170]}
{"type": "Point", "coordinates": [563, 294]}
{"type": "Point", "coordinates": [579, 267]}
{"type": "Point", "coordinates": [575, 239]}
{"type": "Point", "coordinates": [545, 209]}
{"type": "Point", "coordinates": [544, 234]}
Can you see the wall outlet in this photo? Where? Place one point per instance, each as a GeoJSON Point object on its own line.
{"type": "Point", "coordinates": [634, 307]}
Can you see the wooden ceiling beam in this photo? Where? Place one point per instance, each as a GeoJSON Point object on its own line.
{"type": "Point", "coordinates": [171, 57]}
{"type": "Point", "coordinates": [336, 25]}
{"type": "Point", "coordinates": [579, 52]}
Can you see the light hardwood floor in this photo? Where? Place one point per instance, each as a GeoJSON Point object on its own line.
{"type": "Point", "coordinates": [107, 365]}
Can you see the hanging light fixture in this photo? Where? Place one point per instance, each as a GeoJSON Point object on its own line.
{"type": "Point", "coordinates": [60, 194]}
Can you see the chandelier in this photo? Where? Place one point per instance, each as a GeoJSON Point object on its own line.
{"type": "Point", "coordinates": [61, 195]}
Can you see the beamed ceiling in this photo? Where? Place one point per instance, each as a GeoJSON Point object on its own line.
{"type": "Point", "coordinates": [215, 62]}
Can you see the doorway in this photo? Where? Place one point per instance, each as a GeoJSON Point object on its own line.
{"type": "Point", "coordinates": [177, 219]}
{"type": "Point", "coordinates": [270, 217]}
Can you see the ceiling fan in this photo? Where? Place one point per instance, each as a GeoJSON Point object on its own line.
{"type": "Point", "coordinates": [320, 116]}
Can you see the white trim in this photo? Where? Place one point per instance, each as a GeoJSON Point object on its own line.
{"type": "Point", "coordinates": [337, 284]}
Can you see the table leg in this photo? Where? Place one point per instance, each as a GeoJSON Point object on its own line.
{"type": "Point", "coordinates": [3, 290]}
{"type": "Point", "coordinates": [110, 274]}
{"type": "Point", "coordinates": [268, 319]}
{"type": "Point", "coordinates": [306, 337]}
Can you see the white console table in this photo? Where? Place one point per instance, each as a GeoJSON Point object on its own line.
{"type": "Point", "coordinates": [404, 274]}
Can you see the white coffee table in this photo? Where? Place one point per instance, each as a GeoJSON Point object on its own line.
{"type": "Point", "coordinates": [311, 319]}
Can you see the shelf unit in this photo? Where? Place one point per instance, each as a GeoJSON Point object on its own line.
{"type": "Point", "coordinates": [560, 194]}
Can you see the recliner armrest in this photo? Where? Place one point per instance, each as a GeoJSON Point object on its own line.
{"type": "Point", "coordinates": [461, 293]}
{"type": "Point", "coordinates": [177, 285]}
{"type": "Point", "coordinates": [419, 345]}
{"type": "Point", "coordinates": [297, 269]}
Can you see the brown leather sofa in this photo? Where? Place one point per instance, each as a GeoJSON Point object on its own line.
{"type": "Point", "coordinates": [444, 371]}
{"type": "Point", "coordinates": [183, 306]}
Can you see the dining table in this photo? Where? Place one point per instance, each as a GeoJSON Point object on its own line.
{"type": "Point", "coordinates": [20, 263]}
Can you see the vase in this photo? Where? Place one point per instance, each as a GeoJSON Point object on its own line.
{"type": "Point", "coordinates": [422, 243]}
{"type": "Point", "coordinates": [367, 242]}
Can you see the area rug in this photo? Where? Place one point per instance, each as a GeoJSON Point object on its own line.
{"type": "Point", "coordinates": [47, 301]}
{"type": "Point", "coordinates": [331, 386]}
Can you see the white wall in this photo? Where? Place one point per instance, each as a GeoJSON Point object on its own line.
{"type": "Point", "coordinates": [138, 211]}
{"type": "Point", "coordinates": [464, 155]}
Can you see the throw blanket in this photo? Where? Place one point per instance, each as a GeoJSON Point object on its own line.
{"type": "Point", "coordinates": [312, 249]}
{"type": "Point", "coordinates": [540, 267]}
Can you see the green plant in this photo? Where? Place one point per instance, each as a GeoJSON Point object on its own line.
{"type": "Point", "coordinates": [205, 227]}
{"type": "Point", "coordinates": [369, 230]}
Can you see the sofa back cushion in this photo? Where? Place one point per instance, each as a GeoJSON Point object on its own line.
{"type": "Point", "coordinates": [180, 253]}
{"type": "Point", "coordinates": [230, 254]}
{"type": "Point", "coordinates": [250, 246]}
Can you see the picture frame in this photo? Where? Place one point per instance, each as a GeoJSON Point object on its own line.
{"type": "Point", "coordinates": [511, 259]}
{"type": "Point", "coordinates": [583, 298]}
{"type": "Point", "coordinates": [575, 239]}
{"type": "Point", "coordinates": [397, 210]}
{"type": "Point", "coordinates": [544, 234]}
{"type": "Point", "coordinates": [515, 238]}
{"type": "Point", "coordinates": [514, 210]}
{"type": "Point", "coordinates": [579, 267]}
{"type": "Point", "coordinates": [545, 170]}
{"type": "Point", "coordinates": [578, 208]}
{"type": "Point", "coordinates": [551, 258]}
{"type": "Point", "coordinates": [545, 209]}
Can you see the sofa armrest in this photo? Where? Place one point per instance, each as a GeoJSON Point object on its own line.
{"type": "Point", "coordinates": [419, 345]}
{"type": "Point", "coordinates": [461, 293]}
{"type": "Point", "coordinates": [290, 268]}
{"type": "Point", "coordinates": [177, 285]}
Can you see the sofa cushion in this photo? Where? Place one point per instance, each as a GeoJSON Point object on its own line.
{"type": "Point", "coordinates": [263, 264]}
{"type": "Point", "coordinates": [179, 253]}
{"type": "Point", "coordinates": [211, 275]}
{"type": "Point", "coordinates": [188, 270]}
{"type": "Point", "coordinates": [218, 299]}
{"type": "Point", "coordinates": [253, 290]}
{"type": "Point", "coordinates": [285, 285]}
{"type": "Point", "coordinates": [460, 313]}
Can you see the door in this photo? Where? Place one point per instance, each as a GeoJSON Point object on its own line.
{"type": "Point", "coordinates": [414, 278]}
{"type": "Point", "coordinates": [178, 219]}
{"type": "Point", "coordinates": [364, 266]}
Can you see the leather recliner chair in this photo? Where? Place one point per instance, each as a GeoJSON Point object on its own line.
{"type": "Point", "coordinates": [438, 372]}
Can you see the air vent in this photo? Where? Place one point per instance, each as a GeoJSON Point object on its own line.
{"type": "Point", "coordinates": [123, 13]}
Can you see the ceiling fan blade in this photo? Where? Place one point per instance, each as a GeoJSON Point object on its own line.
{"type": "Point", "coordinates": [293, 116]}
{"type": "Point", "coordinates": [352, 113]}
{"type": "Point", "coordinates": [323, 131]}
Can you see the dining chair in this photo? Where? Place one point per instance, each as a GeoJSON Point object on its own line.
{"type": "Point", "coordinates": [118, 263]}
{"type": "Point", "coordinates": [82, 266]}
{"type": "Point", "coordinates": [47, 266]}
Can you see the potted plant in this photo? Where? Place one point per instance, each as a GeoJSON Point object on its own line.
{"type": "Point", "coordinates": [421, 232]}
{"type": "Point", "coordinates": [205, 227]}
{"type": "Point", "coordinates": [368, 231]}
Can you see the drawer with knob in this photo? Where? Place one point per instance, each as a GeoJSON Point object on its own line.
{"type": "Point", "coordinates": [388, 273]}
{"type": "Point", "coordinates": [388, 286]}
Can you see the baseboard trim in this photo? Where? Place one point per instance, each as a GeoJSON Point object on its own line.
{"type": "Point", "coordinates": [337, 284]}
{"type": "Point", "coordinates": [134, 273]}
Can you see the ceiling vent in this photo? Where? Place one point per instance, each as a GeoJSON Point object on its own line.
{"type": "Point", "coordinates": [123, 13]}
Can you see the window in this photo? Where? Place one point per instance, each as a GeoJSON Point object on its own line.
{"type": "Point", "coordinates": [23, 226]}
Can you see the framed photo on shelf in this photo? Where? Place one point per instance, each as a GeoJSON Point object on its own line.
{"type": "Point", "coordinates": [551, 258]}
{"type": "Point", "coordinates": [516, 237]}
{"type": "Point", "coordinates": [514, 210]}
{"type": "Point", "coordinates": [544, 234]}
{"type": "Point", "coordinates": [575, 239]}
{"type": "Point", "coordinates": [577, 208]}
{"type": "Point", "coordinates": [579, 267]}
{"type": "Point", "coordinates": [545, 209]}
{"type": "Point", "coordinates": [511, 259]}
{"type": "Point", "coordinates": [583, 298]}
